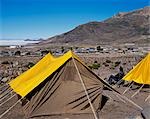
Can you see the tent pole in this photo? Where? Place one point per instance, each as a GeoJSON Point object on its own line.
{"type": "Point", "coordinates": [131, 84]}
{"type": "Point", "coordinates": [84, 87]}
{"type": "Point", "coordinates": [147, 98]}
{"type": "Point", "coordinates": [4, 96]}
{"type": "Point", "coordinates": [137, 91]}
{"type": "Point", "coordinates": [10, 108]}
{"type": "Point", "coordinates": [7, 100]}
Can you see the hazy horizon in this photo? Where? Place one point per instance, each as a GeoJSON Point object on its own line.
{"type": "Point", "coordinates": [34, 19]}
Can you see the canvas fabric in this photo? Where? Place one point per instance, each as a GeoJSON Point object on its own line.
{"type": "Point", "coordinates": [62, 92]}
{"type": "Point", "coordinates": [20, 83]}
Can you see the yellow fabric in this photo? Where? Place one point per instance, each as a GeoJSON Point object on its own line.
{"type": "Point", "coordinates": [26, 82]}
{"type": "Point", "coordinates": [32, 72]}
{"type": "Point", "coordinates": [141, 72]}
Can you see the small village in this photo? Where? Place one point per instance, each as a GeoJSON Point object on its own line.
{"type": "Point", "coordinates": [23, 51]}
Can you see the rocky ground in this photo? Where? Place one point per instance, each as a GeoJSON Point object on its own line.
{"type": "Point", "coordinates": [12, 66]}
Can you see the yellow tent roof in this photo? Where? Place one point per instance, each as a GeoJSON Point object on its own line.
{"type": "Point", "coordinates": [36, 68]}
{"type": "Point", "coordinates": [141, 72]}
{"type": "Point", "coordinates": [27, 81]}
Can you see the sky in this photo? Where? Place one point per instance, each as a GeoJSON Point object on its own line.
{"type": "Point", "coordinates": [33, 19]}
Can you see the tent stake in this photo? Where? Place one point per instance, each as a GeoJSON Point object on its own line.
{"type": "Point", "coordinates": [9, 108]}
{"type": "Point", "coordinates": [137, 91]}
{"type": "Point", "coordinates": [82, 82]}
{"type": "Point", "coordinates": [131, 84]}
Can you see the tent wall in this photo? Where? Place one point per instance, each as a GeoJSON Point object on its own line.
{"type": "Point", "coordinates": [63, 93]}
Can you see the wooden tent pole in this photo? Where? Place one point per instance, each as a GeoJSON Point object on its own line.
{"type": "Point", "coordinates": [10, 108]}
{"type": "Point", "coordinates": [3, 97]}
{"type": "Point", "coordinates": [147, 98]}
{"type": "Point", "coordinates": [137, 91]}
{"type": "Point", "coordinates": [84, 87]}
{"type": "Point", "coordinates": [7, 100]}
{"type": "Point", "coordinates": [131, 84]}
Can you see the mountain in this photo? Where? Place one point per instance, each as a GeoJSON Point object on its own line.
{"type": "Point", "coordinates": [125, 27]}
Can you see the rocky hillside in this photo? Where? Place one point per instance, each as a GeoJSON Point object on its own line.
{"type": "Point", "coordinates": [131, 27]}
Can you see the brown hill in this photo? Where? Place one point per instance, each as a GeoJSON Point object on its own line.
{"type": "Point", "coordinates": [131, 27]}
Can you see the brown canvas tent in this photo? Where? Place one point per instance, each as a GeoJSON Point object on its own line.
{"type": "Point", "coordinates": [66, 85]}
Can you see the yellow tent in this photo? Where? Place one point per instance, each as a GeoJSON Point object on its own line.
{"type": "Point", "coordinates": [141, 72]}
{"type": "Point", "coordinates": [64, 83]}
{"type": "Point", "coordinates": [26, 82]}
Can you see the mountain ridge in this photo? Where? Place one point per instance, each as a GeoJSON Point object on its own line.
{"type": "Point", "coordinates": [131, 27]}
